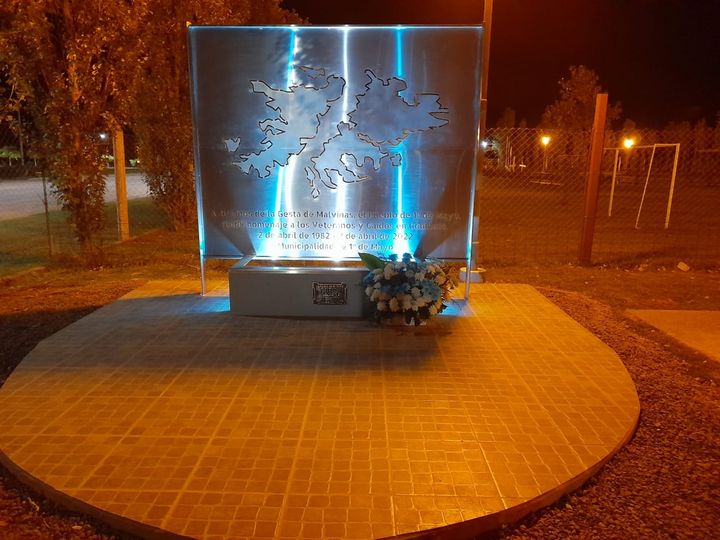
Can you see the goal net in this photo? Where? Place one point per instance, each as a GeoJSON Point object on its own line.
{"type": "Point", "coordinates": [651, 169]}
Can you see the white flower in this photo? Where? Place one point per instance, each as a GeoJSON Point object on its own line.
{"type": "Point", "coordinates": [382, 306]}
{"type": "Point", "coordinates": [394, 306]}
{"type": "Point", "coordinates": [420, 302]}
{"type": "Point", "coordinates": [398, 265]}
{"type": "Point", "coordinates": [415, 292]}
{"type": "Point", "coordinates": [368, 290]}
{"type": "Point", "coordinates": [433, 310]}
{"type": "Point", "coordinates": [376, 286]}
{"type": "Point", "coordinates": [377, 277]}
{"type": "Point", "coordinates": [389, 271]}
{"type": "Point", "coordinates": [440, 279]}
{"type": "Point", "coordinates": [384, 296]}
{"type": "Point", "coordinates": [375, 295]}
{"type": "Point", "coordinates": [420, 276]}
{"type": "Point", "coordinates": [427, 299]}
{"type": "Point", "coordinates": [406, 301]}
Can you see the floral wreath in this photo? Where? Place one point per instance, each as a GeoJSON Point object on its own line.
{"type": "Point", "coordinates": [415, 289]}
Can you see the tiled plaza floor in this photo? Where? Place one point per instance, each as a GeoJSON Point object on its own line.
{"type": "Point", "coordinates": [165, 409]}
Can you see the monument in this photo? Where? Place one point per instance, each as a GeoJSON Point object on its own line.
{"type": "Point", "coordinates": [316, 143]}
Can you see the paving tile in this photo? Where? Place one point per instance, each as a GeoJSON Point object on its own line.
{"type": "Point", "coordinates": [168, 410]}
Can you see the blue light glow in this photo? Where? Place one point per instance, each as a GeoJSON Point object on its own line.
{"type": "Point", "coordinates": [338, 254]}
{"type": "Point", "coordinates": [285, 173]}
{"type": "Point", "coordinates": [337, 145]}
{"type": "Point", "coordinates": [211, 304]}
{"type": "Point", "coordinates": [400, 244]}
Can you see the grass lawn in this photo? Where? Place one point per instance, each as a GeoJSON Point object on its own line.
{"type": "Point", "coordinates": [24, 242]}
{"type": "Point", "coordinates": [523, 221]}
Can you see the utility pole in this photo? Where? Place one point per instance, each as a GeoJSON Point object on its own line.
{"type": "Point", "coordinates": [593, 180]}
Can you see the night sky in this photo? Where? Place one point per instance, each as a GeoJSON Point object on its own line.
{"type": "Point", "coordinates": [659, 58]}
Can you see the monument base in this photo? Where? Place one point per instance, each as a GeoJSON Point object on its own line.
{"type": "Point", "coordinates": [297, 292]}
{"type": "Point", "coordinates": [476, 276]}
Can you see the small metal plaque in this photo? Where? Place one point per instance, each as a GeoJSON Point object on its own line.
{"type": "Point", "coordinates": [329, 294]}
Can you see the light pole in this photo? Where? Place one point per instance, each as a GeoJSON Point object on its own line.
{"type": "Point", "coordinates": [545, 141]}
{"type": "Point", "coordinates": [117, 140]}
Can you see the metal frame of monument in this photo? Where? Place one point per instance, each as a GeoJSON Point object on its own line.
{"type": "Point", "coordinates": [343, 123]}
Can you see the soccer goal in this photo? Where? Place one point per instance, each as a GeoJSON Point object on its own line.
{"type": "Point", "coordinates": [673, 175]}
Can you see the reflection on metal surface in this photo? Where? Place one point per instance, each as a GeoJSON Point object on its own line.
{"type": "Point", "coordinates": [319, 142]}
{"type": "Point", "coordinates": [299, 124]}
{"type": "Point", "coordinates": [400, 243]}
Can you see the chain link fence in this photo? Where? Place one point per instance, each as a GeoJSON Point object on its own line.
{"type": "Point", "coordinates": [33, 227]}
{"type": "Point", "coordinates": [659, 195]}
{"type": "Point", "coordinates": [530, 195]}
{"type": "Point", "coordinates": [530, 203]}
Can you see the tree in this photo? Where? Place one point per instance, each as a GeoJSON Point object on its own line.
{"type": "Point", "coordinates": [62, 58]}
{"type": "Point", "coordinates": [159, 92]}
{"type": "Point", "coordinates": [575, 108]}
{"type": "Point", "coordinates": [629, 125]}
{"type": "Point", "coordinates": [507, 119]}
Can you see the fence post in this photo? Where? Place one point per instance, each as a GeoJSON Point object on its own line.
{"type": "Point", "coordinates": [47, 215]}
{"type": "Point", "coordinates": [593, 179]}
{"type": "Point", "coordinates": [121, 184]}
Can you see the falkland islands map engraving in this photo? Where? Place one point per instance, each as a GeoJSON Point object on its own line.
{"type": "Point", "coordinates": [306, 124]}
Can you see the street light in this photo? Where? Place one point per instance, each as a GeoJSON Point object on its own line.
{"type": "Point", "coordinates": [628, 143]}
{"type": "Point", "coordinates": [545, 140]}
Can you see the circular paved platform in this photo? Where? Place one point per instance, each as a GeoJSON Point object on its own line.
{"type": "Point", "coordinates": [164, 414]}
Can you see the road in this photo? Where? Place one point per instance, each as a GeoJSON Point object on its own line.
{"type": "Point", "coordinates": [24, 197]}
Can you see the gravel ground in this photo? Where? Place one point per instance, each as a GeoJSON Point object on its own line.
{"type": "Point", "coordinates": [664, 484]}
{"type": "Point", "coordinates": [26, 516]}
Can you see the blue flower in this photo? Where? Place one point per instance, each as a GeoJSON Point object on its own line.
{"type": "Point", "coordinates": [432, 289]}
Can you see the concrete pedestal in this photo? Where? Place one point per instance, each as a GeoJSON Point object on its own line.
{"type": "Point", "coordinates": [297, 292]}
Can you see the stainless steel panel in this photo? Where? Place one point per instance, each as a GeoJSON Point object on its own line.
{"type": "Point", "coordinates": [319, 142]}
